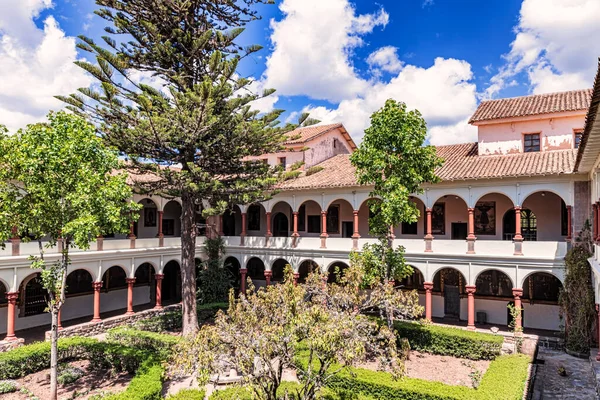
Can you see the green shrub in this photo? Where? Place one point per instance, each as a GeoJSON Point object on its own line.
{"type": "Point", "coordinates": [450, 341]}
{"type": "Point", "coordinates": [313, 170]}
{"type": "Point", "coordinates": [188, 394]}
{"type": "Point", "coordinates": [296, 165]}
{"type": "Point", "coordinates": [8, 386]}
{"type": "Point", "coordinates": [245, 393]}
{"type": "Point", "coordinates": [68, 374]}
{"type": "Point", "coordinates": [288, 175]}
{"type": "Point", "coordinates": [160, 344]}
{"type": "Point", "coordinates": [172, 320]}
{"type": "Point", "coordinates": [146, 384]}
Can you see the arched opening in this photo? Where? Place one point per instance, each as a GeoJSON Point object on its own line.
{"type": "Point", "coordinates": [79, 282]}
{"type": "Point", "coordinates": [3, 291]}
{"type": "Point", "coordinates": [449, 218]}
{"type": "Point", "coordinates": [255, 220]}
{"type": "Point", "coordinates": [336, 271]}
{"type": "Point", "coordinates": [144, 276]}
{"type": "Point", "coordinates": [309, 219]}
{"type": "Point", "coordinates": [233, 266]}
{"type": "Point", "coordinates": [147, 225]}
{"type": "Point", "coordinates": [493, 283]}
{"type": "Point", "coordinates": [114, 278]}
{"type": "Point", "coordinates": [364, 215]}
{"type": "Point", "coordinates": [549, 217]}
{"type": "Point", "coordinates": [306, 268]}
{"type": "Point", "coordinates": [171, 224]}
{"type": "Point", "coordinates": [35, 297]}
{"type": "Point", "coordinates": [232, 222]}
{"type": "Point", "coordinates": [278, 270]}
{"type": "Point", "coordinates": [340, 219]}
{"type": "Point", "coordinates": [413, 230]}
{"type": "Point", "coordinates": [450, 283]}
{"type": "Point", "coordinates": [542, 287]}
{"type": "Point", "coordinates": [280, 225]}
{"type": "Point", "coordinates": [413, 281]}
{"type": "Point", "coordinates": [528, 225]}
{"type": "Point", "coordinates": [171, 285]}
{"type": "Point", "coordinates": [256, 269]}
{"type": "Point", "coordinates": [486, 214]}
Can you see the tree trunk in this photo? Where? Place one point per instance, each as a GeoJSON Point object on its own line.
{"type": "Point", "coordinates": [54, 354]}
{"type": "Point", "coordinates": [188, 265]}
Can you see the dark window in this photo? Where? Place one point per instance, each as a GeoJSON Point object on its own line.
{"type": "Point", "coordinates": [528, 225]}
{"type": "Point", "coordinates": [78, 282]}
{"type": "Point", "coordinates": [493, 283]}
{"type": "Point", "coordinates": [3, 299]}
{"type": "Point", "coordinates": [531, 142]}
{"type": "Point", "coordinates": [333, 219]}
{"type": "Point", "coordinates": [542, 286]}
{"type": "Point", "coordinates": [578, 135]}
{"type": "Point", "coordinates": [35, 297]}
{"type": "Point", "coordinates": [254, 218]}
{"type": "Point", "coordinates": [409, 228]}
{"type": "Point", "coordinates": [302, 218]}
{"type": "Point", "coordinates": [168, 227]}
{"type": "Point", "coordinates": [114, 278]}
{"type": "Point", "coordinates": [143, 275]}
{"type": "Point", "coordinates": [564, 219]}
{"type": "Point", "coordinates": [335, 142]}
{"type": "Point", "coordinates": [313, 223]}
{"type": "Point", "coordinates": [282, 162]}
{"type": "Point", "coordinates": [438, 219]}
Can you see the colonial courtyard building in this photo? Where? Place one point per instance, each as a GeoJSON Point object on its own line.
{"type": "Point", "coordinates": [494, 231]}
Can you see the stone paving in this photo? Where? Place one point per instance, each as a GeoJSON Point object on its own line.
{"type": "Point", "coordinates": [580, 382]}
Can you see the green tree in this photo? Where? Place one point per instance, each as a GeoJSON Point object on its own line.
{"type": "Point", "coordinates": [394, 160]}
{"type": "Point", "coordinates": [58, 183]}
{"type": "Point", "coordinates": [188, 134]}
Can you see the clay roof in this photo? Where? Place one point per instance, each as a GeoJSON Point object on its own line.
{"type": "Point", "coordinates": [590, 140]}
{"type": "Point", "coordinates": [575, 100]}
{"type": "Point", "coordinates": [462, 162]}
{"type": "Point", "coordinates": [304, 135]}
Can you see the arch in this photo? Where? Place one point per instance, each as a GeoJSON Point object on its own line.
{"type": "Point", "coordinates": [449, 218]}
{"type": "Point", "coordinates": [152, 264]}
{"type": "Point", "coordinates": [309, 217]}
{"type": "Point", "coordinates": [551, 212]}
{"type": "Point", "coordinates": [494, 283]}
{"type": "Point", "coordinates": [256, 268]}
{"type": "Point", "coordinates": [79, 282]}
{"type": "Point", "coordinates": [496, 191]}
{"type": "Point", "coordinates": [171, 224]}
{"type": "Point", "coordinates": [144, 274]}
{"type": "Point", "coordinates": [35, 297]}
{"type": "Point", "coordinates": [489, 211]}
{"type": "Point", "coordinates": [527, 193]}
{"type": "Point", "coordinates": [305, 268]}
{"type": "Point", "coordinates": [339, 199]}
{"type": "Point", "coordinates": [171, 285]}
{"type": "Point", "coordinates": [417, 228]}
{"type": "Point", "coordinates": [232, 221]}
{"type": "Point", "coordinates": [450, 282]}
{"type": "Point", "coordinates": [281, 226]}
{"type": "Point", "coordinates": [528, 225]}
{"type": "Point", "coordinates": [278, 269]}
{"type": "Point", "coordinates": [340, 218]}
{"type": "Point", "coordinates": [335, 271]}
{"type": "Point", "coordinates": [271, 204]}
{"type": "Point", "coordinates": [147, 224]}
{"type": "Point", "coordinates": [232, 264]}
{"type": "Point", "coordinates": [114, 278]}
{"type": "Point", "coordinates": [451, 194]}
{"type": "Point", "coordinates": [3, 291]}
{"type": "Point", "coordinates": [255, 217]}
{"type": "Point", "coordinates": [413, 281]}
{"type": "Point", "coordinates": [541, 286]}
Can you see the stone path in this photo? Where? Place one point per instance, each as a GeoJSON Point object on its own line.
{"type": "Point", "coordinates": [580, 382]}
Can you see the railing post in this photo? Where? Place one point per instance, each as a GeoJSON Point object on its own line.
{"type": "Point", "coordinates": [295, 234]}
{"type": "Point", "coordinates": [518, 239]}
{"type": "Point", "coordinates": [324, 234]}
{"type": "Point", "coordinates": [471, 236]}
{"type": "Point", "coordinates": [243, 234]}
{"type": "Point", "coordinates": [428, 235]}
{"type": "Point", "coordinates": [269, 234]}
{"type": "Point", "coordinates": [355, 235]}
{"type": "Point", "coordinates": [160, 235]}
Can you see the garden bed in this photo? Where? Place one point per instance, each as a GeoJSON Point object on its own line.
{"type": "Point", "coordinates": [91, 383]}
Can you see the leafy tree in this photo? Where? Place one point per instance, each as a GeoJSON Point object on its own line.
{"type": "Point", "coordinates": [318, 329]}
{"type": "Point", "coordinates": [394, 160]}
{"type": "Point", "coordinates": [170, 99]}
{"type": "Point", "coordinates": [577, 296]}
{"type": "Point", "coordinates": [214, 279]}
{"type": "Point", "coordinates": [58, 183]}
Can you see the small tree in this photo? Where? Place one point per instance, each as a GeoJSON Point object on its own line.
{"type": "Point", "coordinates": [58, 184]}
{"type": "Point", "coordinates": [577, 296]}
{"type": "Point", "coordinates": [319, 329]}
{"type": "Point", "coordinates": [214, 279]}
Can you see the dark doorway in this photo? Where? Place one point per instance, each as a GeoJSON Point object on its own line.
{"type": "Point", "coordinates": [459, 231]}
{"type": "Point", "coordinates": [347, 229]}
{"type": "Point", "coordinates": [171, 286]}
{"type": "Point", "coordinates": [280, 225]}
{"type": "Point", "coordinates": [451, 302]}
{"type": "Point", "coordinates": [228, 223]}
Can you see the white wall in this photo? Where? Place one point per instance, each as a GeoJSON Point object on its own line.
{"type": "Point", "coordinates": [541, 316]}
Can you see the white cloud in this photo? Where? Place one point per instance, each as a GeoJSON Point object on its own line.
{"type": "Point", "coordinates": [555, 45]}
{"type": "Point", "coordinates": [386, 59]}
{"type": "Point", "coordinates": [36, 65]}
{"type": "Point", "coordinates": [312, 45]}
{"type": "Point", "coordinates": [442, 93]}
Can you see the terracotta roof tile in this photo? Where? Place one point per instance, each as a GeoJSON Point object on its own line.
{"type": "Point", "coordinates": [303, 135]}
{"type": "Point", "coordinates": [574, 100]}
{"type": "Point", "coordinates": [462, 162]}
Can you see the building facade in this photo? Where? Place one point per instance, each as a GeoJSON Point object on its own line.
{"type": "Point", "coordinates": [493, 232]}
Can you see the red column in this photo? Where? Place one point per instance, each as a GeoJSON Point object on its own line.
{"type": "Point", "coordinates": [428, 235]}
{"type": "Point", "coordinates": [471, 307]}
{"type": "Point", "coordinates": [243, 234]}
{"type": "Point", "coordinates": [59, 319]}
{"type": "Point", "coordinates": [269, 233]}
{"type": "Point", "coordinates": [324, 234]}
{"type": "Point", "coordinates": [355, 235]}
{"type": "Point", "coordinates": [471, 236]}
{"type": "Point", "coordinates": [15, 242]}
{"type": "Point", "coordinates": [221, 225]}
{"type": "Point", "coordinates": [159, 278]}
{"type": "Point", "coordinates": [243, 272]}
{"type": "Point", "coordinates": [595, 223]}
{"type": "Point", "coordinates": [160, 235]}
{"type": "Point", "coordinates": [97, 286]}
{"type": "Point", "coordinates": [517, 293]}
{"type": "Point", "coordinates": [295, 234]}
{"type": "Point", "coordinates": [268, 275]}
{"type": "Point", "coordinates": [598, 329]}
{"type": "Point", "coordinates": [569, 222]}
{"type": "Point", "coordinates": [130, 282]}
{"type": "Point", "coordinates": [296, 276]}
{"type": "Point", "coordinates": [10, 321]}
{"type": "Point", "coordinates": [518, 239]}
{"type": "Point", "coordinates": [428, 289]}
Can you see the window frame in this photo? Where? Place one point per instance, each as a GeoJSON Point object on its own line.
{"type": "Point", "coordinates": [576, 133]}
{"type": "Point", "coordinates": [525, 139]}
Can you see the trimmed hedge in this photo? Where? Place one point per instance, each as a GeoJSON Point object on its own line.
{"type": "Point", "coordinates": [188, 394]}
{"type": "Point", "coordinates": [504, 380]}
{"type": "Point", "coordinates": [450, 341]}
{"type": "Point", "coordinates": [147, 383]}
{"type": "Point", "coordinates": [160, 344]}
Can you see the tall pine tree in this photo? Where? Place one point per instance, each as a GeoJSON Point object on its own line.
{"type": "Point", "coordinates": [192, 128]}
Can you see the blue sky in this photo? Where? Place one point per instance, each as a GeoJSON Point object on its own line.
{"type": "Point", "coordinates": [340, 59]}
